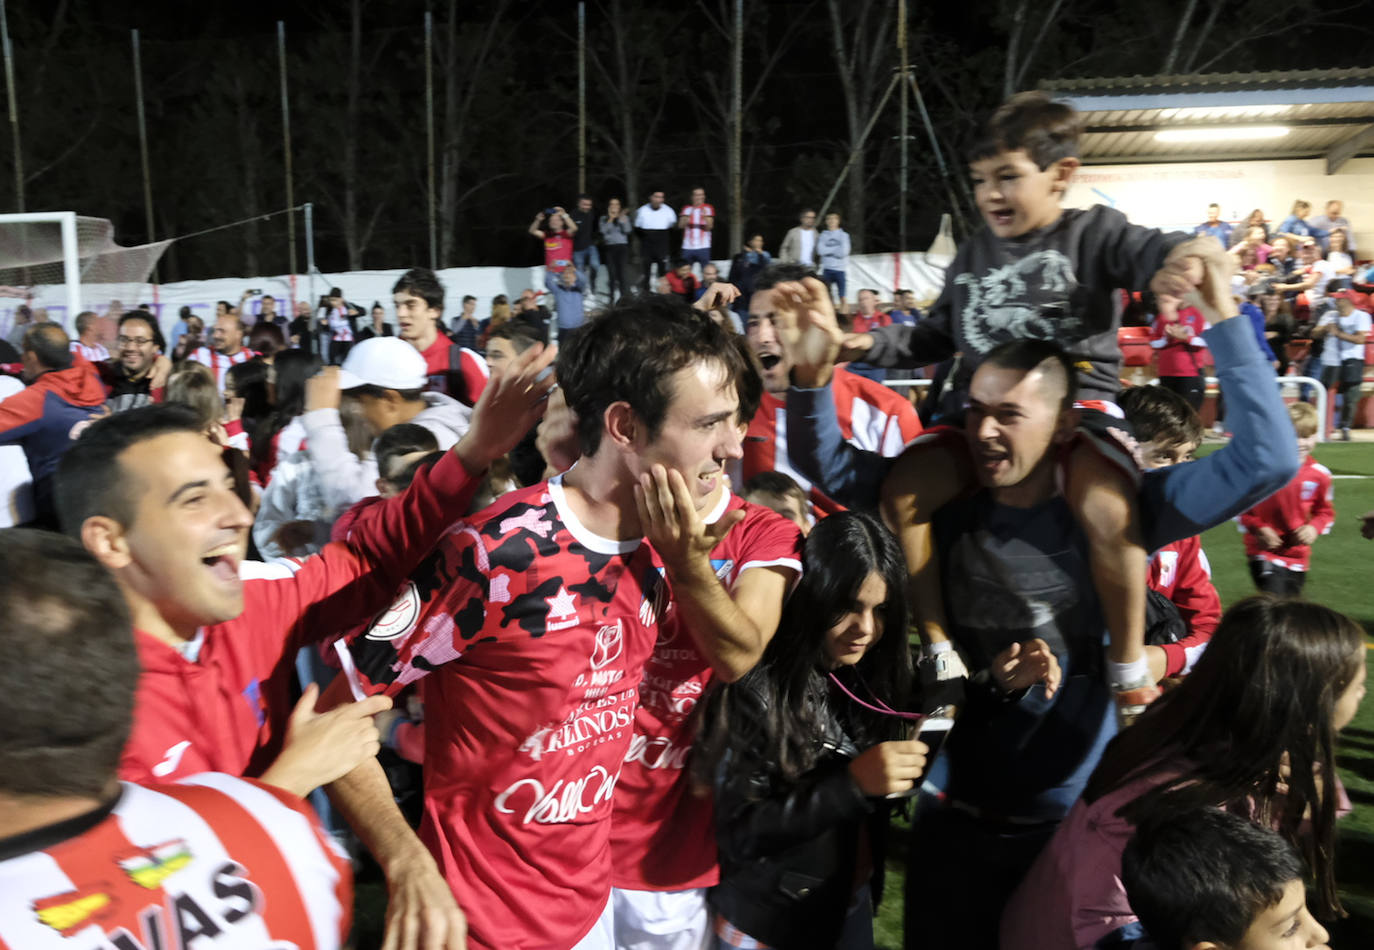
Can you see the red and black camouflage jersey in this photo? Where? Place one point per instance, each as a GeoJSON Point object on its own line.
{"type": "Point", "coordinates": [528, 634]}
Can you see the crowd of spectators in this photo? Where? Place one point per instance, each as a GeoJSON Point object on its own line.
{"type": "Point", "coordinates": [634, 606]}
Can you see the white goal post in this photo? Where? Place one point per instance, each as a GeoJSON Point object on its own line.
{"type": "Point", "coordinates": [12, 255]}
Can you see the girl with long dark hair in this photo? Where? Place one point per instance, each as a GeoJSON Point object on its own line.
{"type": "Point", "coordinates": [281, 433]}
{"type": "Point", "coordinates": [803, 749]}
{"type": "Point", "coordinates": [1251, 730]}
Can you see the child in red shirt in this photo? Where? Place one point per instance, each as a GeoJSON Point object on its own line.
{"type": "Point", "coordinates": [1279, 531]}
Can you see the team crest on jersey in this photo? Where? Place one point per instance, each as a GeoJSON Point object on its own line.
{"type": "Point", "coordinates": [1309, 491]}
{"type": "Point", "coordinates": [610, 641]}
{"type": "Point", "coordinates": [1168, 568]}
{"type": "Point", "coordinates": [398, 619]}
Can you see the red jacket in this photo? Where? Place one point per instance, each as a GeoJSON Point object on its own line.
{"type": "Point", "coordinates": [1180, 357]}
{"type": "Point", "coordinates": [1180, 572]}
{"type": "Point", "coordinates": [226, 711]}
{"type": "Point", "coordinates": [45, 417]}
{"type": "Point", "coordinates": [1304, 500]}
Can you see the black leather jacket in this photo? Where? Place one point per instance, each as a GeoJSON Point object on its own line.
{"type": "Point", "coordinates": [788, 850]}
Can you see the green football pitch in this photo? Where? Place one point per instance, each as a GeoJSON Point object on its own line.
{"type": "Point", "coordinates": [1342, 578]}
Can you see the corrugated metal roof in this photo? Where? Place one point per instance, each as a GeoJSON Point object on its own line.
{"type": "Point", "coordinates": [1324, 110]}
{"type": "Point", "coordinates": [1214, 82]}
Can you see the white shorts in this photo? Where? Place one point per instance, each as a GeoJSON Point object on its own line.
{"type": "Point", "coordinates": [661, 920]}
{"type": "Point", "coordinates": [602, 934]}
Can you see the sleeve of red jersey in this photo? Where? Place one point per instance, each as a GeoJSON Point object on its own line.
{"type": "Point", "coordinates": [349, 582]}
{"type": "Point", "coordinates": [1157, 338]}
{"type": "Point", "coordinates": [771, 541]}
{"type": "Point", "coordinates": [1323, 512]}
{"type": "Point", "coordinates": [1251, 520]}
{"type": "Point", "coordinates": [1198, 604]}
{"type": "Point", "coordinates": [18, 413]}
{"type": "Point", "coordinates": [438, 612]}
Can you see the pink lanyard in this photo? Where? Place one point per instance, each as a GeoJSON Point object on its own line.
{"type": "Point", "coordinates": [883, 709]}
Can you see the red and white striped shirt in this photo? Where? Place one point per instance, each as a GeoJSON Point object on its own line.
{"type": "Point", "coordinates": [694, 235]}
{"type": "Point", "coordinates": [219, 363]}
{"type": "Point", "coordinates": [93, 354]}
{"type": "Point", "coordinates": [218, 857]}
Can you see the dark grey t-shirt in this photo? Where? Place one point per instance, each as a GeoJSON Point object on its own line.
{"type": "Point", "coordinates": [1055, 283]}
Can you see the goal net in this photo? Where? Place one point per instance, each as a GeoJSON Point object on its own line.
{"type": "Point", "coordinates": [61, 263]}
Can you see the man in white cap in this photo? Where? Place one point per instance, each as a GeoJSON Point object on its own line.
{"type": "Point", "coordinates": [385, 379]}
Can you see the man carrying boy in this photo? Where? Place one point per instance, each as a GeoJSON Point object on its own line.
{"type": "Point", "coordinates": [1279, 531]}
{"type": "Point", "coordinates": [1040, 271]}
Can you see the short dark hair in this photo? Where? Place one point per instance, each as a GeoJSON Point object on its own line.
{"type": "Point", "coordinates": [83, 321]}
{"type": "Point", "coordinates": [1025, 355]}
{"type": "Point", "coordinates": [521, 334]}
{"type": "Point", "coordinates": [423, 283]}
{"type": "Point", "coordinates": [467, 297]}
{"type": "Point", "coordinates": [777, 484]}
{"type": "Point", "coordinates": [90, 480]}
{"type": "Point", "coordinates": [402, 439]}
{"type": "Point", "coordinates": [1160, 415]}
{"type": "Point", "coordinates": [50, 343]}
{"type": "Point", "coordinates": [1046, 129]}
{"type": "Point", "coordinates": [149, 319]}
{"type": "Point", "coordinates": [379, 392]}
{"type": "Point", "coordinates": [781, 273]}
{"type": "Point", "coordinates": [67, 684]}
{"type": "Point", "coordinates": [630, 352]}
{"type": "Point", "coordinates": [266, 339]}
{"type": "Point", "coordinates": [401, 480]}
{"type": "Point", "coordinates": [1204, 874]}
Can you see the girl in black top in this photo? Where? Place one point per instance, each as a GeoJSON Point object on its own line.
{"type": "Point", "coordinates": [803, 749]}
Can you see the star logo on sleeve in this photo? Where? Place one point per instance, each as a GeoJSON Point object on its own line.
{"type": "Point", "coordinates": [562, 609]}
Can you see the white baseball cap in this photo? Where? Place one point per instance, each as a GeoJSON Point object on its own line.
{"type": "Point", "coordinates": [384, 361]}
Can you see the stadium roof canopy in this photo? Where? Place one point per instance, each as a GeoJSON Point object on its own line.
{"type": "Point", "coordinates": [1318, 113]}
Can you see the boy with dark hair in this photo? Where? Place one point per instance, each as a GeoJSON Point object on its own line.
{"type": "Point", "coordinates": [1169, 431]}
{"type": "Point", "coordinates": [782, 494]}
{"type": "Point", "coordinates": [452, 369]}
{"type": "Point", "coordinates": [86, 860]}
{"type": "Point", "coordinates": [1210, 880]}
{"type": "Point", "coordinates": [1279, 531]}
{"type": "Point", "coordinates": [1038, 270]}
{"type": "Point", "coordinates": [508, 341]}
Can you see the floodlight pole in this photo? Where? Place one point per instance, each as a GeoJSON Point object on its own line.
{"type": "Point", "coordinates": [309, 209]}
{"type": "Point", "coordinates": [581, 98]}
{"type": "Point", "coordinates": [902, 131]}
{"type": "Point", "coordinates": [143, 145]}
{"type": "Point", "coordinates": [429, 138]}
{"type": "Point", "coordinates": [737, 129]}
{"type": "Point", "coordinates": [14, 110]}
{"type": "Point", "coordinates": [286, 141]}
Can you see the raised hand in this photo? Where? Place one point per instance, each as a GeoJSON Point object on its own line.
{"type": "Point", "coordinates": [804, 318]}
{"type": "Point", "coordinates": [512, 402]}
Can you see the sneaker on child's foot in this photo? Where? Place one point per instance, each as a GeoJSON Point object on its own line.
{"type": "Point", "coordinates": [1132, 698]}
{"type": "Point", "coordinates": [1345, 435]}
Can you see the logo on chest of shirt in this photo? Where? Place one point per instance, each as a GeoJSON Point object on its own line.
{"type": "Point", "coordinates": [610, 641]}
{"type": "Point", "coordinates": [1026, 298]}
{"type": "Point", "coordinates": [398, 619]}
{"type": "Point", "coordinates": [654, 605]}
{"type": "Point", "coordinates": [1168, 567]}
{"type": "Point", "coordinates": [562, 610]}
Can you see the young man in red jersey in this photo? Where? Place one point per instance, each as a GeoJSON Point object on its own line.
{"type": "Point", "coordinates": [87, 861]}
{"type": "Point", "coordinates": [453, 370]}
{"type": "Point", "coordinates": [1279, 531]}
{"type": "Point", "coordinates": [534, 621]}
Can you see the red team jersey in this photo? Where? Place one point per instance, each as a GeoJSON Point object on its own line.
{"type": "Point", "coordinates": [241, 865]}
{"type": "Point", "coordinates": [225, 710]}
{"type": "Point", "coordinates": [872, 416]}
{"type": "Point", "coordinates": [529, 635]}
{"type": "Point", "coordinates": [1180, 572]}
{"type": "Point", "coordinates": [462, 375]}
{"type": "Point", "coordinates": [694, 235]}
{"type": "Point", "coordinates": [663, 837]}
{"type": "Point", "coordinates": [1304, 500]}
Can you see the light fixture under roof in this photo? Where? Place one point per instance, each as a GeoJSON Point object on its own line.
{"type": "Point", "coordinates": [1222, 134]}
